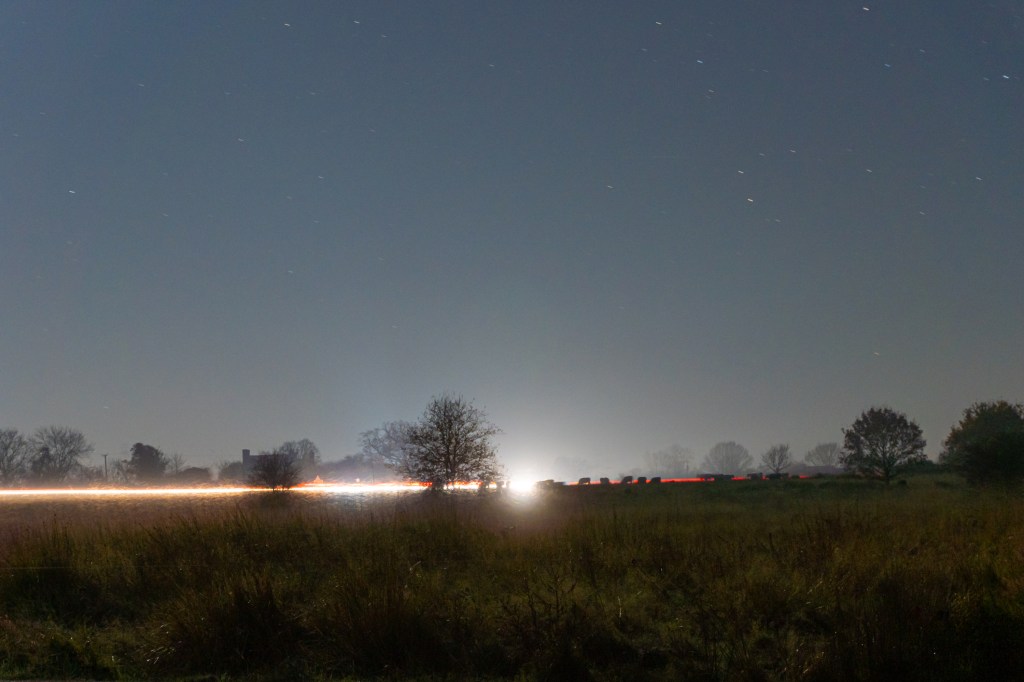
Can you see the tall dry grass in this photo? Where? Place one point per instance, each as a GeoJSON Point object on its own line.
{"type": "Point", "coordinates": [808, 580]}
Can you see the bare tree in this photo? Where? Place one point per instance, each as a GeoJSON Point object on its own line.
{"type": "Point", "coordinates": [881, 442]}
{"type": "Point", "coordinates": [14, 456]}
{"type": "Point", "coordinates": [670, 462]}
{"type": "Point", "coordinates": [777, 458]}
{"type": "Point", "coordinates": [88, 475]}
{"type": "Point", "coordinates": [305, 450]}
{"type": "Point", "coordinates": [56, 453]}
{"type": "Point", "coordinates": [386, 446]}
{"type": "Point", "coordinates": [119, 472]}
{"type": "Point", "coordinates": [823, 455]}
{"type": "Point", "coordinates": [306, 455]}
{"type": "Point", "coordinates": [452, 442]}
{"type": "Point", "coordinates": [728, 458]}
{"type": "Point", "coordinates": [355, 467]}
{"type": "Point", "coordinates": [275, 470]}
{"type": "Point", "coordinates": [176, 463]}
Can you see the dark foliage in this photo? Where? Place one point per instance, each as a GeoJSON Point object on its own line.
{"type": "Point", "coordinates": [452, 442]}
{"type": "Point", "coordinates": [880, 443]}
{"type": "Point", "coordinates": [147, 464]}
{"type": "Point", "coordinates": [987, 446]}
{"type": "Point", "coordinates": [275, 470]}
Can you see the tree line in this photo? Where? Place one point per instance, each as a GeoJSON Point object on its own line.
{"type": "Point", "coordinates": [986, 446]}
{"type": "Point", "coordinates": [453, 441]}
{"type": "Point", "coordinates": [55, 455]}
{"type": "Point", "coordinates": [51, 455]}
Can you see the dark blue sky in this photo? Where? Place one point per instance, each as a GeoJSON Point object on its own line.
{"type": "Point", "coordinates": [614, 226]}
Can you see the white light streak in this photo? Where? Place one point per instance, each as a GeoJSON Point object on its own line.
{"type": "Point", "coordinates": [302, 488]}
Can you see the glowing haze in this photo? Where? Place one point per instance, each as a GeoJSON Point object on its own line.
{"type": "Point", "coordinates": [614, 226]}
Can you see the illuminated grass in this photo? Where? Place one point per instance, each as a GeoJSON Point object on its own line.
{"type": "Point", "coordinates": [793, 580]}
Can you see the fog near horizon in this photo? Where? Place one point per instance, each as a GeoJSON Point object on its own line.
{"type": "Point", "coordinates": [614, 228]}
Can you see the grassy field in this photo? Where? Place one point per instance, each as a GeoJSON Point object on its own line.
{"type": "Point", "coordinates": [809, 580]}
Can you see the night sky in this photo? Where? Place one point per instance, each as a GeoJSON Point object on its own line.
{"type": "Point", "coordinates": [614, 226]}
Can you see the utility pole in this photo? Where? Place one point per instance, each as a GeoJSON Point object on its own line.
{"type": "Point", "coordinates": [104, 467]}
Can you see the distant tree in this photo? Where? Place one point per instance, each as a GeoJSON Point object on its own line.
{"type": "Point", "coordinates": [275, 470]}
{"type": "Point", "coordinates": [147, 464]}
{"type": "Point", "coordinates": [14, 456]}
{"type": "Point", "coordinates": [306, 455]}
{"type": "Point", "coordinates": [452, 442]}
{"type": "Point", "coordinates": [231, 472]}
{"type": "Point", "coordinates": [303, 450]}
{"type": "Point", "coordinates": [823, 455]}
{"type": "Point", "coordinates": [355, 467]}
{"type": "Point", "coordinates": [777, 458]}
{"type": "Point", "coordinates": [88, 475]}
{"type": "Point", "coordinates": [728, 458]}
{"type": "Point", "coordinates": [193, 476]}
{"type": "Point", "coordinates": [56, 453]}
{"type": "Point", "coordinates": [176, 464]}
{"type": "Point", "coordinates": [386, 446]}
{"type": "Point", "coordinates": [671, 462]}
{"type": "Point", "coordinates": [988, 444]}
{"type": "Point", "coordinates": [119, 472]}
{"type": "Point", "coordinates": [881, 442]}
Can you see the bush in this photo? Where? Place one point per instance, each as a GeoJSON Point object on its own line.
{"type": "Point", "coordinates": [987, 446]}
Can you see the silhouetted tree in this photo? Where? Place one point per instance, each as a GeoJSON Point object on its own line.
{"type": "Point", "coordinates": [777, 458]}
{"type": "Point", "coordinates": [14, 456]}
{"type": "Point", "coordinates": [275, 470]}
{"type": "Point", "coordinates": [670, 462]}
{"type": "Point", "coordinates": [881, 442]}
{"type": "Point", "coordinates": [193, 476]}
{"type": "Point", "coordinates": [231, 472]}
{"type": "Point", "coordinates": [305, 453]}
{"type": "Point", "coordinates": [728, 458]}
{"type": "Point", "coordinates": [176, 464]}
{"type": "Point", "coordinates": [88, 475]}
{"type": "Point", "coordinates": [386, 446]}
{"type": "Point", "coordinates": [56, 452]}
{"type": "Point", "coordinates": [119, 471]}
{"type": "Point", "coordinates": [988, 444]}
{"type": "Point", "coordinates": [823, 455]}
{"type": "Point", "coordinates": [355, 467]}
{"type": "Point", "coordinates": [147, 464]}
{"type": "Point", "coordinates": [302, 450]}
{"type": "Point", "coordinates": [452, 442]}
